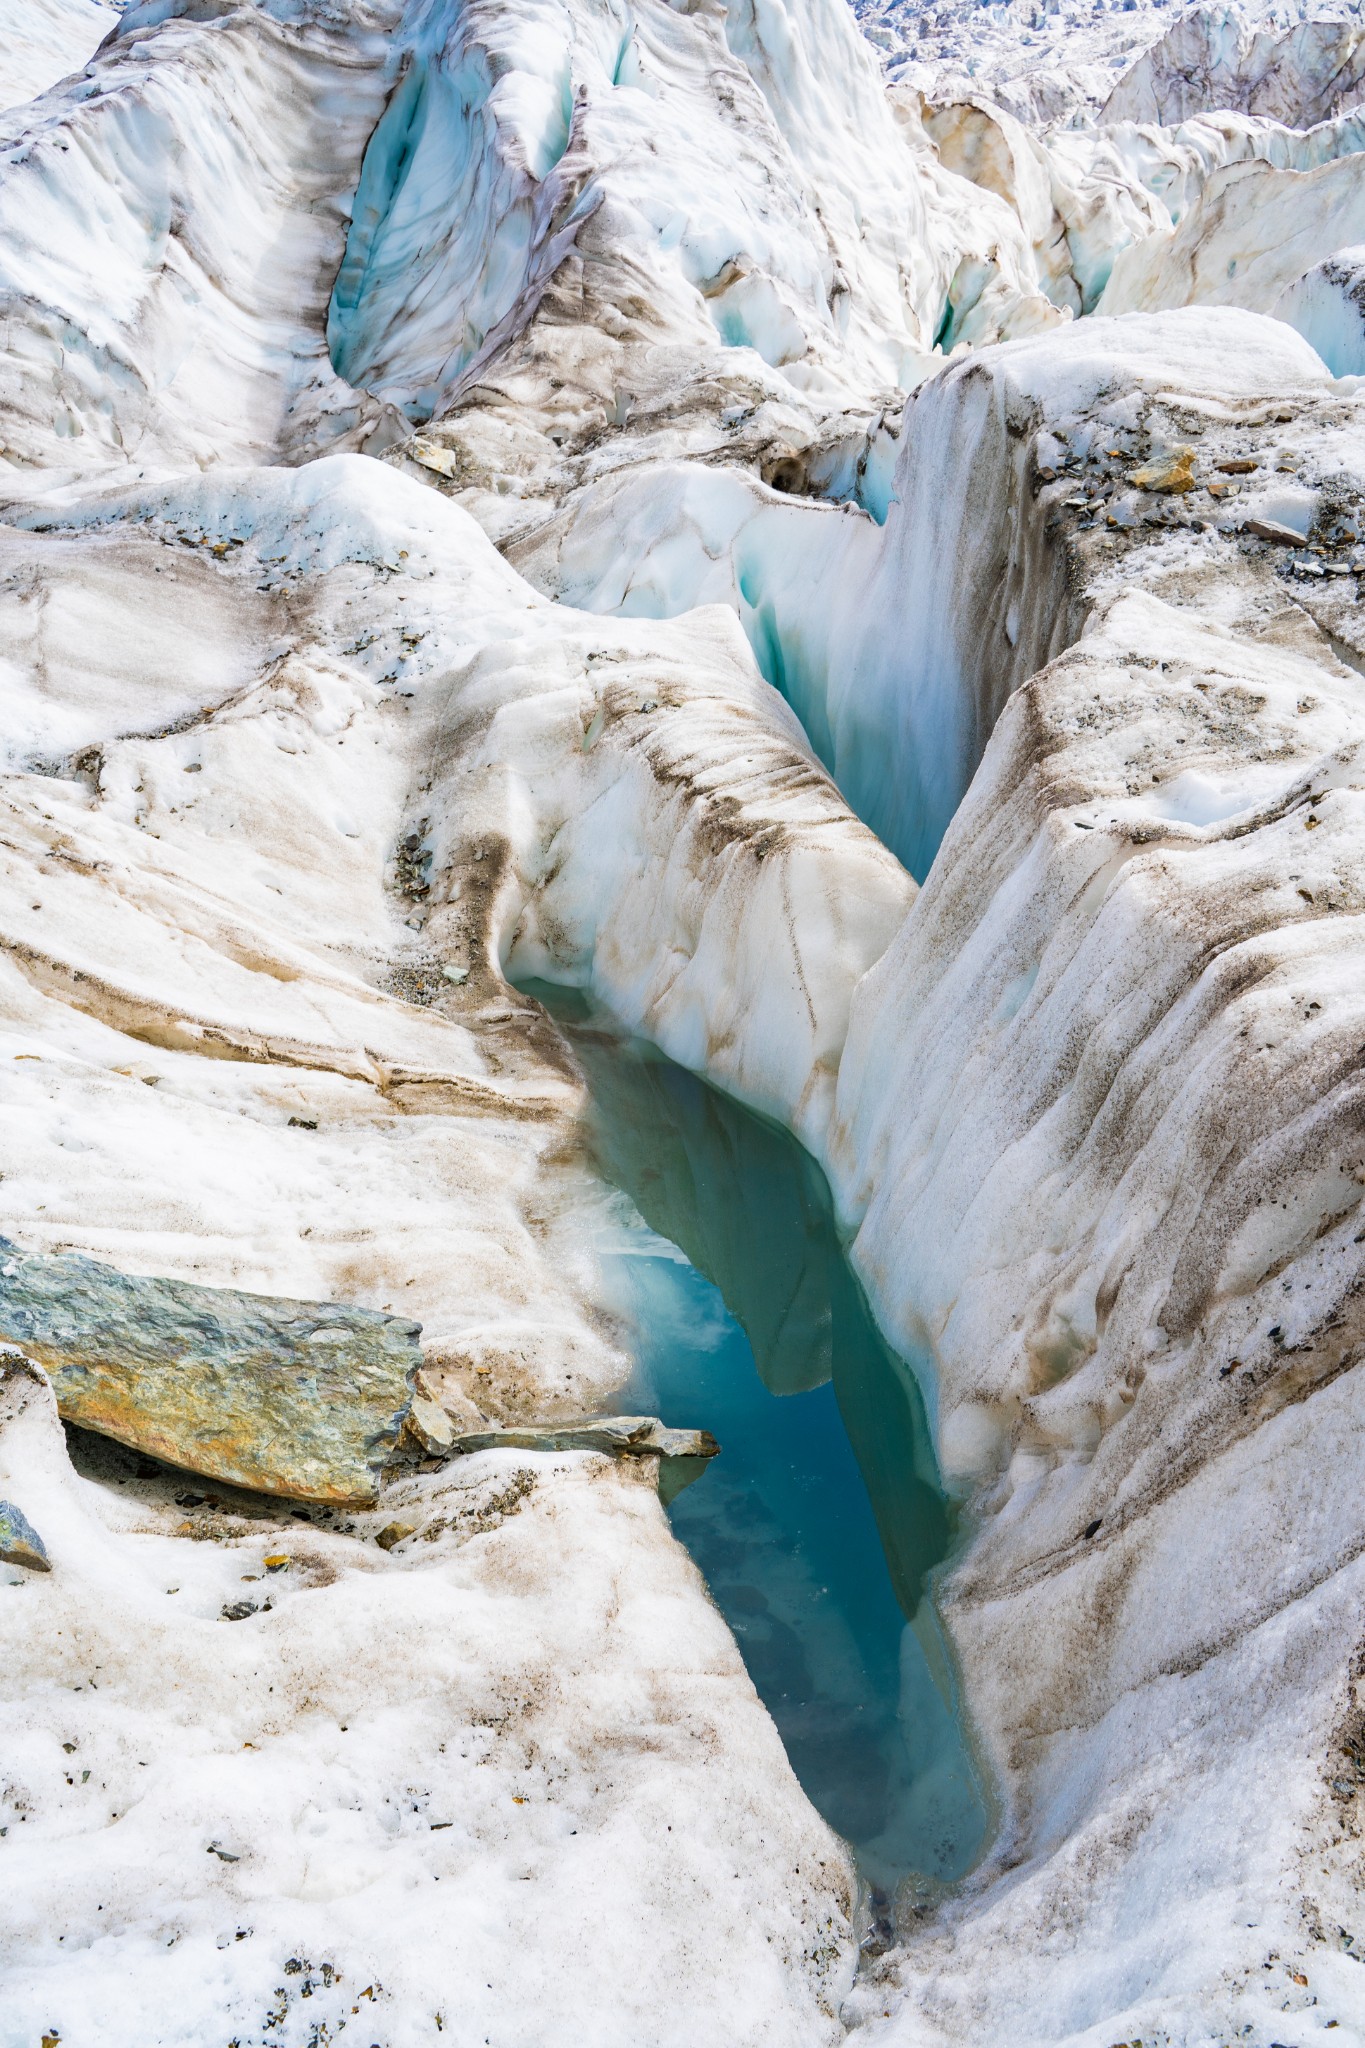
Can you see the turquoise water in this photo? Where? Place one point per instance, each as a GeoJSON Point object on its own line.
{"type": "Point", "coordinates": [820, 1522]}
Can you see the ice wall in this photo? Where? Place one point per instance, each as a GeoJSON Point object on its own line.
{"type": "Point", "coordinates": [451, 220]}
{"type": "Point", "coordinates": [1216, 58]}
{"type": "Point", "coordinates": [1253, 230]}
{"type": "Point", "coordinates": [1327, 307]}
{"type": "Point", "coordinates": [511, 133]}
{"type": "Point", "coordinates": [974, 587]}
{"type": "Point", "coordinates": [896, 646]}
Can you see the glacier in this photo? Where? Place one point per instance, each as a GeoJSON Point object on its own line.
{"type": "Point", "coordinates": [838, 537]}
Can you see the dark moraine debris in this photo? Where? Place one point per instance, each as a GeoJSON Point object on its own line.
{"type": "Point", "coordinates": [303, 1398]}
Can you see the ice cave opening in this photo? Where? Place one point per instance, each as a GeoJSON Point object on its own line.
{"type": "Point", "coordinates": [820, 1527]}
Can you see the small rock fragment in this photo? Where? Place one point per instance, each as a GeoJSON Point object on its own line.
{"type": "Point", "coordinates": [429, 1426]}
{"type": "Point", "coordinates": [1270, 529]}
{"type": "Point", "coordinates": [20, 1542]}
{"type": "Point", "coordinates": [1173, 472]}
{"type": "Point", "coordinates": [621, 1436]}
{"type": "Point", "coordinates": [238, 1610]}
{"type": "Point", "coordinates": [279, 1562]}
{"type": "Point", "coordinates": [432, 456]}
{"type": "Point", "coordinates": [394, 1533]}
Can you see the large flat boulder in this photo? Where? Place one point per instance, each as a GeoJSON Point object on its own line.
{"type": "Point", "coordinates": [304, 1398]}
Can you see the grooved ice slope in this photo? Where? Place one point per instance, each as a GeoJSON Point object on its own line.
{"type": "Point", "coordinates": [169, 231]}
{"type": "Point", "coordinates": [1123, 1210]}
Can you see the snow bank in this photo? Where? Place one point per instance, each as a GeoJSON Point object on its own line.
{"type": "Point", "coordinates": [507, 1773]}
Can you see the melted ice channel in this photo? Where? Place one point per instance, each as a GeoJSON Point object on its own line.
{"type": "Point", "coordinates": [819, 1526]}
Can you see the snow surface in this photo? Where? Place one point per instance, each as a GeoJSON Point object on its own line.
{"type": "Point", "coordinates": [553, 490]}
{"type": "Point", "coordinates": [44, 40]}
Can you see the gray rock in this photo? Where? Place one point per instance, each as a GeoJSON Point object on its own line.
{"type": "Point", "coordinates": [303, 1398]}
{"type": "Point", "coordinates": [1272, 530]}
{"type": "Point", "coordinates": [428, 1427]}
{"type": "Point", "coordinates": [620, 1436]}
{"type": "Point", "coordinates": [20, 1542]}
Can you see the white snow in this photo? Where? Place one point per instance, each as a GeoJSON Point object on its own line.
{"type": "Point", "coordinates": [42, 41]}
{"type": "Point", "coordinates": [450, 1789]}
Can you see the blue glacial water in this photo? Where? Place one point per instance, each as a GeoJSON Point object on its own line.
{"type": "Point", "coordinates": [819, 1525]}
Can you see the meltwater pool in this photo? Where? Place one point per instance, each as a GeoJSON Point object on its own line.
{"type": "Point", "coordinates": [819, 1525]}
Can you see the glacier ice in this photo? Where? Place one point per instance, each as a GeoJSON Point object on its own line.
{"type": "Point", "coordinates": [852, 560]}
{"type": "Point", "coordinates": [48, 40]}
{"type": "Point", "coordinates": [1327, 306]}
{"type": "Point", "coordinates": [1216, 57]}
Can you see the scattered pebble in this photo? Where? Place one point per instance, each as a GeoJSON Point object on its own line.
{"type": "Point", "coordinates": [20, 1542]}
